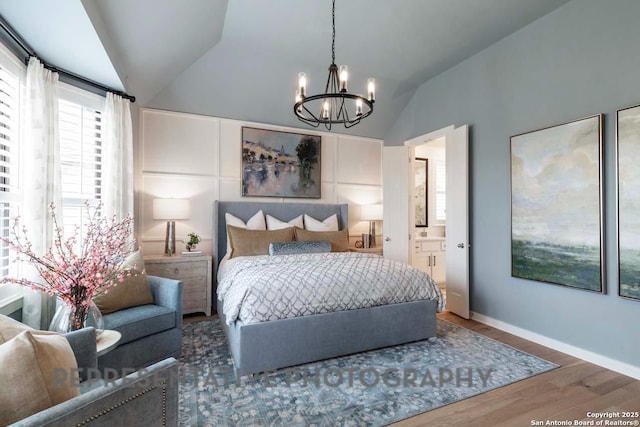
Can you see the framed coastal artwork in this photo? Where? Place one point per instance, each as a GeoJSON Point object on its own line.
{"type": "Point", "coordinates": [280, 164]}
{"type": "Point", "coordinates": [556, 205]}
{"type": "Point", "coordinates": [628, 138]}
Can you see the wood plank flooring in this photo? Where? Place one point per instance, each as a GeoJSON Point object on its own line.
{"type": "Point", "coordinates": [566, 393]}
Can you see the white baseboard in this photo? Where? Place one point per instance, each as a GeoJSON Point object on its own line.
{"type": "Point", "coordinates": [589, 356]}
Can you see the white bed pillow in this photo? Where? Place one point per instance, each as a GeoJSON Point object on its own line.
{"type": "Point", "coordinates": [256, 222]}
{"type": "Point", "coordinates": [274, 223]}
{"type": "Point", "coordinates": [329, 224]}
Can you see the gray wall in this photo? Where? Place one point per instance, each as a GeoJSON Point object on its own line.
{"type": "Point", "coordinates": [580, 60]}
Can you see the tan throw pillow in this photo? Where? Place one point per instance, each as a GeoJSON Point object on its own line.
{"type": "Point", "coordinates": [132, 292]}
{"type": "Point", "coordinates": [339, 239]}
{"type": "Point", "coordinates": [255, 242]}
{"type": "Point", "coordinates": [38, 371]}
{"type": "Point", "coordinates": [256, 222]}
{"type": "Point", "coordinates": [9, 328]}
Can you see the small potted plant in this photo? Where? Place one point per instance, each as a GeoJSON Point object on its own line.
{"type": "Point", "coordinates": [193, 241]}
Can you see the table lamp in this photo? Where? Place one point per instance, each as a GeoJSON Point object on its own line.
{"type": "Point", "coordinates": [371, 213]}
{"type": "Point", "coordinates": [171, 210]}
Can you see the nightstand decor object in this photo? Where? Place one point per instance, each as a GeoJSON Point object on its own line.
{"type": "Point", "coordinates": [371, 213]}
{"type": "Point", "coordinates": [171, 210]}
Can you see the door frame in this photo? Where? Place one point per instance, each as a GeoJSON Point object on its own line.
{"type": "Point", "coordinates": [432, 136]}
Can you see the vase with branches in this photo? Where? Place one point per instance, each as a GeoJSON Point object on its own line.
{"type": "Point", "coordinates": [76, 268]}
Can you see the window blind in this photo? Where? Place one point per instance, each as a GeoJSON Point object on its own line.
{"type": "Point", "coordinates": [9, 133]}
{"type": "Point", "coordinates": [441, 190]}
{"type": "Point", "coordinates": [81, 159]}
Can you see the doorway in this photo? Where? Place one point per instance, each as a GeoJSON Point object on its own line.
{"type": "Point", "coordinates": [400, 216]}
{"type": "Point", "coordinates": [429, 194]}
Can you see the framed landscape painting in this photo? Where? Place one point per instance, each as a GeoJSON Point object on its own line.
{"type": "Point", "coordinates": [556, 205]}
{"type": "Point", "coordinates": [628, 137]}
{"type": "Point", "coordinates": [280, 164]}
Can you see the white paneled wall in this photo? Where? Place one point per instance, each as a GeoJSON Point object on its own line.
{"type": "Point", "coordinates": [199, 158]}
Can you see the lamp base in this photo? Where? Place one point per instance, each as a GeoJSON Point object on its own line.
{"type": "Point", "coordinates": [372, 234]}
{"type": "Point", "coordinates": [170, 239]}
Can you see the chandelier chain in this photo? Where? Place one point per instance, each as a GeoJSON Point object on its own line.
{"type": "Point", "coordinates": [333, 39]}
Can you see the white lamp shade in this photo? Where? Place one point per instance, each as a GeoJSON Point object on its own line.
{"type": "Point", "coordinates": [371, 213]}
{"type": "Point", "coordinates": [170, 209]}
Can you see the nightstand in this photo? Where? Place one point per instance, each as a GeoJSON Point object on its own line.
{"type": "Point", "coordinates": [195, 274]}
{"type": "Point", "coordinates": [375, 250]}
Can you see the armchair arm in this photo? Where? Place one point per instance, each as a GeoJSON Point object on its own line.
{"type": "Point", "coordinates": [167, 293]}
{"type": "Point", "coordinates": [83, 344]}
{"type": "Point", "coordinates": [147, 397]}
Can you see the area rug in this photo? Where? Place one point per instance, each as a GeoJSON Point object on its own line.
{"type": "Point", "coordinates": [374, 388]}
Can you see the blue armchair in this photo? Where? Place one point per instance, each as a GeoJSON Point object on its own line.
{"type": "Point", "coordinates": [150, 333]}
{"type": "Point", "coordinates": [148, 397]}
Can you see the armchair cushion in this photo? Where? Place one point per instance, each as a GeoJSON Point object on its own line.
{"type": "Point", "coordinates": [132, 292]}
{"type": "Point", "coordinates": [34, 360]}
{"type": "Point", "coordinates": [137, 322]}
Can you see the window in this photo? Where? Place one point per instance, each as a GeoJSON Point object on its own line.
{"type": "Point", "coordinates": [441, 190]}
{"type": "Point", "coordinates": [80, 120]}
{"type": "Point", "coordinates": [11, 79]}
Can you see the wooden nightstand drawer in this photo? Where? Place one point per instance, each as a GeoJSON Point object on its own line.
{"type": "Point", "coordinates": [193, 272]}
{"type": "Point", "coordinates": [177, 270]}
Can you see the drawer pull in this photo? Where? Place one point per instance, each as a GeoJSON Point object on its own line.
{"type": "Point", "coordinates": [176, 271]}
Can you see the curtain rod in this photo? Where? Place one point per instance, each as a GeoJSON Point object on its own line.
{"type": "Point", "coordinates": [62, 72]}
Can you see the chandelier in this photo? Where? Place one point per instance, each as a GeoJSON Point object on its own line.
{"type": "Point", "coordinates": [335, 105]}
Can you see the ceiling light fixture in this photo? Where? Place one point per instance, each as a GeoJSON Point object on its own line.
{"type": "Point", "coordinates": [335, 105]}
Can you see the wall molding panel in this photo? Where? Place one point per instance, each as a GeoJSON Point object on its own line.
{"type": "Point", "coordinates": [198, 157]}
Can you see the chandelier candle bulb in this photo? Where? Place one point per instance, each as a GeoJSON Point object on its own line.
{"type": "Point", "coordinates": [325, 110]}
{"type": "Point", "coordinates": [371, 89]}
{"type": "Point", "coordinates": [358, 107]}
{"type": "Point", "coordinates": [344, 76]}
{"type": "Point", "coordinates": [302, 83]}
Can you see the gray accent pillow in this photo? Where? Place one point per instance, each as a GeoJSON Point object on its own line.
{"type": "Point", "coordinates": [292, 248]}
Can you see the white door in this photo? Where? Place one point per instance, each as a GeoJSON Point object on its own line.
{"type": "Point", "coordinates": [457, 160]}
{"type": "Point", "coordinates": [397, 184]}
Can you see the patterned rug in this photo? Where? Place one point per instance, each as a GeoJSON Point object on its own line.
{"type": "Point", "coordinates": [375, 388]}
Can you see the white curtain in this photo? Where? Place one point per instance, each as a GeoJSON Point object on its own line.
{"type": "Point", "coordinates": [117, 140]}
{"type": "Point", "coordinates": [42, 182]}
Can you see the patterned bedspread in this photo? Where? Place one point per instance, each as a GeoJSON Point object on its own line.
{"type": "Point", "coordinates": [262, 288]}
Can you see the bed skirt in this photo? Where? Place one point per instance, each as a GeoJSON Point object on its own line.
{"type": "Point", "coordinates": [268, 346]}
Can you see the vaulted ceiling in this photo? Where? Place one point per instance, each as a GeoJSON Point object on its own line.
{"type": "Point", "coordinates": [239, 59]}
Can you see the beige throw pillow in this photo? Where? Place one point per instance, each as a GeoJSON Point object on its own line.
{"type": "Point", "coordinates": [339, 239]}
{"type": "Point", "coordinates": [9, 328]}
{"type": "Point", "coordinates": [132, 292]}
{"type": "Point", "coordinates": [255, 242]}
{"type": "Point", "coordinates": [39, 370]}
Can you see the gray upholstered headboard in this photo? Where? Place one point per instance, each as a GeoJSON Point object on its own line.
{"type": "Point", "coordinates": [282, 211]}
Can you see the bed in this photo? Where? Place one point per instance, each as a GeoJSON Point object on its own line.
{"type": "Point", "coordinates": [275, 344]}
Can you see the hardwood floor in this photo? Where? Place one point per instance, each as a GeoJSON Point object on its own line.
{"type": "Point", "coordinates": [566, 393]}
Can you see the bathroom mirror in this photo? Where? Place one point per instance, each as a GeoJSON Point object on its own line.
{"type": "Point", "coordinates": [420, 191]}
